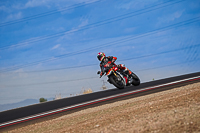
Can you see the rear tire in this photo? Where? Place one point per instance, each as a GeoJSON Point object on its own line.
{"type": "Point", "coordinates": [136, 80]}
{"type": "Point", "coordinates": [113, 81]}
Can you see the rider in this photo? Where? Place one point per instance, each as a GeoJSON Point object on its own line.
{"type": "Point", "coordinates": [105, 63]}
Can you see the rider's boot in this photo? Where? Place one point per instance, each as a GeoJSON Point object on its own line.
{"type": "Point", "coordinates": [130, 76]}
{"type": "Point", "coordinates": [130, 80]}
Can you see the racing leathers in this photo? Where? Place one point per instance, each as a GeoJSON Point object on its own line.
{"type": "Point", "coordinates": [106, 63]}
{"type": "Point", "coordinates": [109, 61]}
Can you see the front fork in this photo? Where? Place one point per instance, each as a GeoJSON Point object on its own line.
{"type": "Point", "coordinates": [121, 77]}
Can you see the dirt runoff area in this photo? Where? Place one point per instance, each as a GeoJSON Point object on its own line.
{"type": "Point", "coordinates": [176, 110]}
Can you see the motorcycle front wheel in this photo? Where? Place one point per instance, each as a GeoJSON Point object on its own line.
{"type": "Point", "coordinates": [116, 82]}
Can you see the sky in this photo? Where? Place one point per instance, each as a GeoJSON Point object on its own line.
{"type": "Point", "coordinates": [49, 47]}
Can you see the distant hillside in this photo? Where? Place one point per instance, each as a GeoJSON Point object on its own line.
{"type": "Point", "coordinates": [26, 102]}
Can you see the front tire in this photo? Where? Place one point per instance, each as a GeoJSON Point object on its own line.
{"type": "Point", "coordinates": [116, 83]}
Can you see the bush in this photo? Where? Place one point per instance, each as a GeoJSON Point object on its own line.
{"type": "Point", "coordinates": [42, 100]}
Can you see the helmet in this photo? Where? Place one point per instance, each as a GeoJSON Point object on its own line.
{"type": "Point", "coordinates": [101, 56]}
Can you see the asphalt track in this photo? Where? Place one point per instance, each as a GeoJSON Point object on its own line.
{"type": "Point", "coordinates": [72, 104]}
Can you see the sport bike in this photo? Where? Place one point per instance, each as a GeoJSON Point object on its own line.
{"type": "Point", "coordinates": [119, 78]}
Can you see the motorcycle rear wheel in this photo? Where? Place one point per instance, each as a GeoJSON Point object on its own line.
{"type": "Point", "coordinates": [136, 80]}
{"type": "Point", "coordinates": [113, 80]}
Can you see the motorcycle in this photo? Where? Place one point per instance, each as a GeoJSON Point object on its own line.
{"type": "Point", "coordinates": [119, 78]}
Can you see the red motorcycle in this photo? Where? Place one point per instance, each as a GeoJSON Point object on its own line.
{"type": "Point", "coordinates": [120, 79]}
